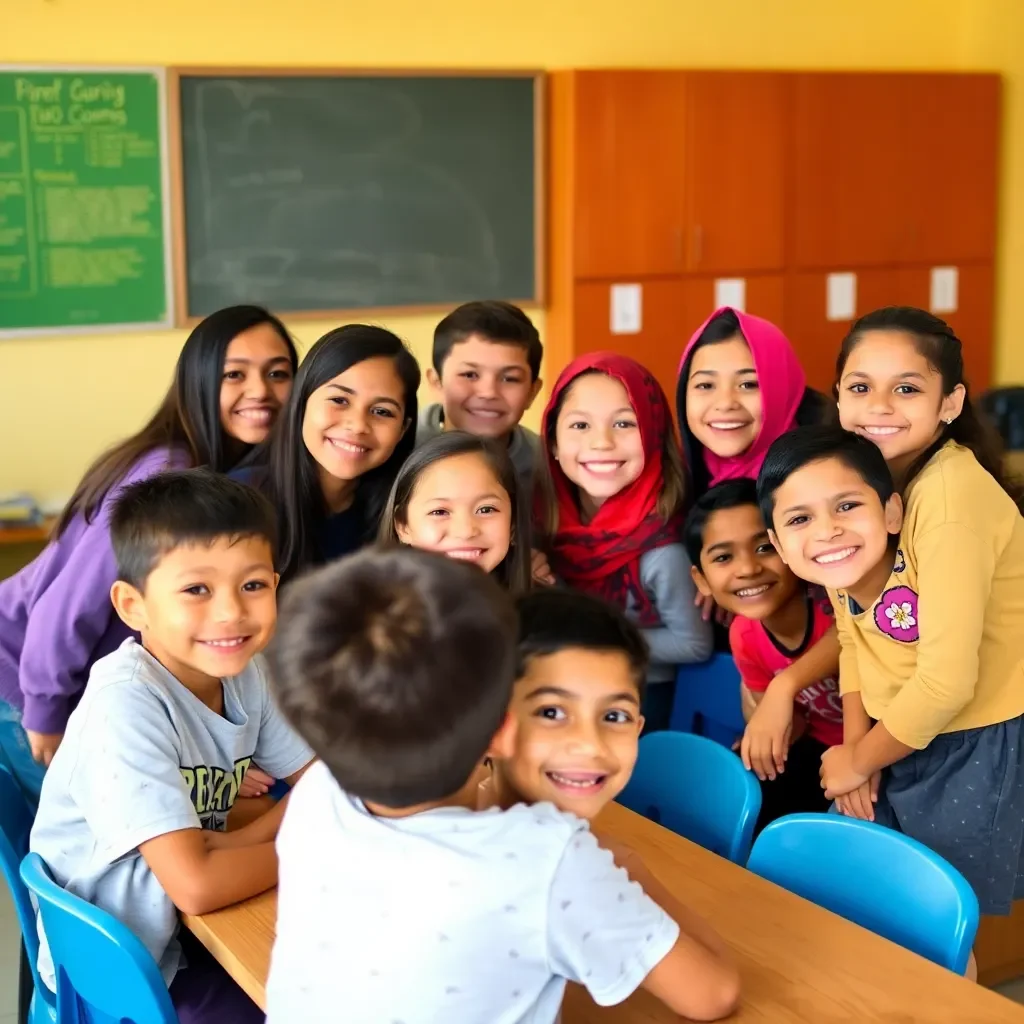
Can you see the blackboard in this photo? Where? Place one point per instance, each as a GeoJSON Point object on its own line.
{"type": "Point", "coordinates": [82, 212]}
{"type": "Point", "coordinates": [334, 192]}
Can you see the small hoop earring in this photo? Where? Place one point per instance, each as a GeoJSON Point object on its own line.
{"type": "Point", "coordinates": [948, 421]}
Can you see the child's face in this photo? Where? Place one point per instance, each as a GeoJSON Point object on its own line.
{"type": "Point", "coordinates": [597, 439]}
{"type": "Point", "coordinates": [740, 568]}
{"type": "Point", "coordinates": [830, 526]}
{"type": "Point", "coordinates": [353, 422]}
{"type": "Point", "coordinates": [485, 387]}
{"type": "Point", "coordinates": [207, 609]}
{"type": "Point", "coordinates": [256, 382]}
{"type": "Point", "coordinates": [578, 722]}
{"type": "Point", "coordinates": [723, 402]}
{"type": "Point", "coordinates": [459, 508]}
{"type": "Point", "coordinates": [892, 396]}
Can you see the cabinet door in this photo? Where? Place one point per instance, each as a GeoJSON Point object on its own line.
{"type": "Point", "coordinates": [764, 298]}
{"type": "Point", "coordinates": [951, 152]}
{"type": "Point", "coordinates": [848, 192]}
{"type": "Point", "coordinates": [665, 327]}
{"type": "Point", "coordinates": [736, 127]}
{"type": "Point", "coordinates": [629, 130]}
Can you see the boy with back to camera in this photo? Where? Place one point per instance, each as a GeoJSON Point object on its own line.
{"type": "Point", "coordinates": [398, 900]}
{"type": "Point", "coordinates": [486, 370]}
{"type": "Point", "coordinates": [135, 803]}
{"type": "Point", "coordinates": [778, 618]}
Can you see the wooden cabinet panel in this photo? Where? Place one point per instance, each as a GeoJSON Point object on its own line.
{"type": "Point", "coordinates": [764, 298]}
{"type": "Point", "coordinates": [735, 172]}
{"type": "Point", "coordinates": [629, 162]}
{"type": "Point", "coordinates": [848, 204]}
{"type": "Point", "coordinates": [665, 327]}
{"type": "Point", "coordinates": [951, 152]}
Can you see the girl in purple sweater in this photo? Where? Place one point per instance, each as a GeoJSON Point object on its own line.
{"type": "Point", "coordinates": [232, 377]}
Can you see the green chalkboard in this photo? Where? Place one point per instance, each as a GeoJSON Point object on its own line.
{"type": "Point", "coordinates": [332, 192]}
{"type": "Point", "coordinates": [82, 236]}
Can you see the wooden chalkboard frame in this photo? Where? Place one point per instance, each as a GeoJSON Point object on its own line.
{"type": "Point", "coordinates": [177, 175]}
{"type": "Point", "coordinates": [168, 321]}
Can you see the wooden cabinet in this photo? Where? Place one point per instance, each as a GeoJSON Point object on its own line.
{"type": "Point", "coordinates": [735, 171]}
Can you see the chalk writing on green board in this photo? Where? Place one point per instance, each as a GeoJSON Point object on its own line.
{"type": "Point", "coordinates": [81, 199]}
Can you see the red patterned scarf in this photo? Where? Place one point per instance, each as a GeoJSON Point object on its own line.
{"type": "Point", "coordinates": [603, 556]}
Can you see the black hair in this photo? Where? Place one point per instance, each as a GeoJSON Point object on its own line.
{"type": "Point", "coordinates": [805, 445]}
{"type": "Point", "coordinates": [189, 415]}
{"type": "Point", "coordinates": [553, 619]}
{"type": "Point", "coordinates": [937, 343]}
{"type": "Point", "coordinates": [731, 494]}
{"type": "Point", "coordinates": [154, 516]}
{"type": "Point", "coordinates": [814, 407]}
{"type": "Point", "coordinates": [287, 472]}
{"type": "Point", "coordinates": [491, 320]}
{"type": "Point", "coordinates": [396, 666]}
{"type": "Point", "coordinates": [514, 572]}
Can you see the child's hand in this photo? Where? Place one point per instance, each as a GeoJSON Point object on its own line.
{"type": "Point", "coordinates": [839, 777]}
{"type": "Point", "coordinates": [861, 802]}
{"type": "Point", "coordinates": [540, 568]}
{"type": "Point", "coordinates": [765, 744]}
{"type": "Point", "coordinates": [43, 745]}
{"type": "Point", "coordinates": [255, 783]}
{"type": "Point", "coordinates": [708, 608]}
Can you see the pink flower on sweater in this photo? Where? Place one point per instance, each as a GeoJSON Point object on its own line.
{"type": "Point", "coordinates": [896, 615]}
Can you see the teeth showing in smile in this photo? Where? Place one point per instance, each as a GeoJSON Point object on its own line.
{"type": "Point", "coordinates": [256, 415]}
{"type": "Point", "coordinates": [726, 426]}
{"type": "Point", "coordinates": [231, 644]}
{"type": "Point", "coordinates": [466, 554]}
{"type": "Point", "coordinates": [834, 556]}
{"type": "Point", "coordinates": [578, 780]}
{"type": "Point", "coordinates": [487, 414]}
{"type": "Point", "coordinates": [752, 591]}
{"type": "Point", "coordinates": [881, 431]}
{"type": "Point", "coordinates": [602, 467]}
{"type": "Point", "coordinates": [346, 446]}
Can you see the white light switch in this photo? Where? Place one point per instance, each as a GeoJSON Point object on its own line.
{"type": "Point", "coordinates": [945, 290]}
{"type": "Point", "coordinates": [731, 291]}
{"type": "Point", "coordinates": [841, 297]}
{"type": "Point", "coordinates": [626, 309]}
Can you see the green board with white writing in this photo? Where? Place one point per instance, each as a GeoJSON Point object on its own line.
{"type": "Point", "coordinates": [83, 232]}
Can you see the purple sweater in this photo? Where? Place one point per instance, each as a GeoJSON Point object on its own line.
{"type": "Point", "coordinates": [56, 618]}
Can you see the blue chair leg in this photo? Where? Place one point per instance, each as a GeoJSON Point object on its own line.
{"type": "Point", "coordinates": [26, 986]}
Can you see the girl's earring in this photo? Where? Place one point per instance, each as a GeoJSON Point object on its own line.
{"type": "Point", "coordinates": [948, 421]}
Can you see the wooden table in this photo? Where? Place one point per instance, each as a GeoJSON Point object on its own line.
{"type": "Point", "coordinates": [797, 961]}
{"type": "Point", "coordinates": [36, 534]}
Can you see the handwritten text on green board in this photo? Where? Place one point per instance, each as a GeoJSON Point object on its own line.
{"type": "Point", "coordinates": [81, 200]}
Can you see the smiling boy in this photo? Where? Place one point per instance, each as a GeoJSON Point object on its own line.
{"type": "Point", "coordinates": [486, 371]}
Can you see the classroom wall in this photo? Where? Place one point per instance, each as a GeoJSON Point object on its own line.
{"type": "Point", "coordinates": [63, 398]}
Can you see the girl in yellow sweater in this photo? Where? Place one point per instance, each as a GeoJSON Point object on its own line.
{"type": "Point", "coordinates": [929, 597]}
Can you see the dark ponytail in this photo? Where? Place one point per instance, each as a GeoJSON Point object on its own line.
{"type": "Point", "coordinates": [936, 342]}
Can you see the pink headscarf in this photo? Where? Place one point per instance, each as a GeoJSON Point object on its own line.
{"type": "Point", "coordinates": [782, 384]}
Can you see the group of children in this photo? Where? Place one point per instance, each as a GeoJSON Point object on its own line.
{"type": "Point", "coordinates": [459, 725]}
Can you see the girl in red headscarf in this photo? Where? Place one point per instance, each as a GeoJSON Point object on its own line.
{"type": "Point", "coordinates": [611, 510]}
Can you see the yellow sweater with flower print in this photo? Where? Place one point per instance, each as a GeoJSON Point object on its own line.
{"type": "Point", "coordinates": [942, 649]}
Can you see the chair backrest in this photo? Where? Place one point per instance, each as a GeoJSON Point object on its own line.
{"type": "Point", "coordinates": [15, 825]}
{"type": "Point", "coordinates": [103, 971]}
{"type": "Point", "coordinates": [707, 700]}
{"type": "Point", "coordinates": [696, 788]}
{"type": "Point", "coordinates": [877, 878]}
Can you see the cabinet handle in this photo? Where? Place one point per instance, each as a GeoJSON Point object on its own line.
{"type": "Point", "coordinates": [698, 244]}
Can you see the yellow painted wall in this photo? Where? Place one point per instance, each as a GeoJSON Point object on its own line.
{"type": "Point", "coordinates": [63, 398]}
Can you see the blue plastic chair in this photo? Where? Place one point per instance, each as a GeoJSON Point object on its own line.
{"type": "Point", "coordinates": [707, 700]}
{"type": "Point", "coordinates": [104, 973]}
{"type": "Point", "coordinates": [696, 788]}
{"type": "Point", "coordinates": [877, 878]}
{"type": "Point", "coordinates": [35, 1000]}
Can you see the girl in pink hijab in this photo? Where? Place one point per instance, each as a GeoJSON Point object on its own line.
{"type": "Point", "coordinates": [741, 387]}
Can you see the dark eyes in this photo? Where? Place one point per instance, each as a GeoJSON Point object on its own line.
{"type": "Point", "coordinates": [249, 587]}
{"type": "Point", "coordinates": [900, 389]}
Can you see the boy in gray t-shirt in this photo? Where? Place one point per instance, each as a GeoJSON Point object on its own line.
{"type": "Point", "coordinates": [134, 806]}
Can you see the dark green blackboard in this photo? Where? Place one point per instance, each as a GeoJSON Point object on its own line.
{"type": "Point", "coordinates": [330, 193]}
{"type": "Point", "coordinates": [82, 240]}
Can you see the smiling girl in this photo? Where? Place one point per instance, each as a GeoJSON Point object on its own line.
{"type": "Point", "coordinates": [458, 494]}
{"type": "Point", "coordinates": [231, 379]}
{"type": "Point", "coordinates": [342, 438]}
{"type": "Point", "coordinates": [612, 515]}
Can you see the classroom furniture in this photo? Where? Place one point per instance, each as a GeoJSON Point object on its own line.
{"type": "Point", "coordinates": [19, 545]}
{"type": "Point", "coordinates": [103, 971]}
{"type": "Point", "coordinates": [83, 203]}
{"type": "Point", "coordinates": [697, 789]}
{"type": "Point", "coordinates": [1004, 409]}
{"type": "Point", "coordinates": [875, 876]}
{"type": "Point", "coordinates": [35, 1001]}
{"type": "Point", "coordinates": [707, 700]}
{"type": "Point", "coordinates": [799, 963]}
{"type": "Point", "coordinates": [708, 188]}
{"type": "Point", "coordinates": [324, 191]}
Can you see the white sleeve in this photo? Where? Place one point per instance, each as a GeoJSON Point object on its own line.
{"type": "Point", "coordinates": [126, 778]}
{"type": "Point", "coordinates": [604, 931]}
{"type": "Point", "coordinates": [279, 750]}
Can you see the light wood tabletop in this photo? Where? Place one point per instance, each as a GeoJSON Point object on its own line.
{"type": "Point", "coordinates": [798, 963]}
